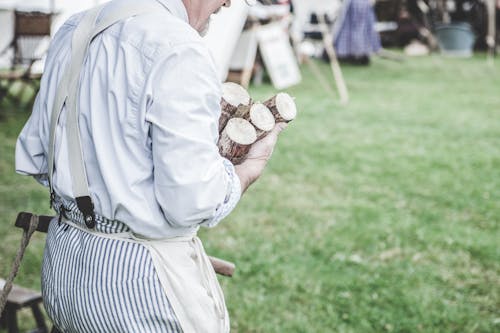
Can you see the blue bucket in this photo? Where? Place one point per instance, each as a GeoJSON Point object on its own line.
{"type": "Point", "coordinates": [456, 39]}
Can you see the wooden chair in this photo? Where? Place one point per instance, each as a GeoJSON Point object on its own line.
{"type": "Point", "coordinates": [29, 44]}
{"type": "Point", "coordinates": [18, 299]}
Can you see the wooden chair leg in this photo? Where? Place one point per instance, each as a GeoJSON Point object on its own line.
{"type": "Point", "coordinates": [11, 319]}
{"type": "Point", "coordinates": [40, 320]}
{"type": "Point", "coordinates": [3, 321]}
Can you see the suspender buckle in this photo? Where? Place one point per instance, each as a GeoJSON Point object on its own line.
{"type": "Point", "coordinates": [86, 206]}
{"type": "Point", "coordinates": [52, 199]}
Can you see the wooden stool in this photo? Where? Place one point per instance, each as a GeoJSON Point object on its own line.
{"type": "Point", "coordinates": [19, 298]}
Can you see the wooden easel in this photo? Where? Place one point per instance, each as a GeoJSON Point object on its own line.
{"type": "Point", "coordinates": [327, 42]}
{"type": "Point", "coordinates": [332, 55]}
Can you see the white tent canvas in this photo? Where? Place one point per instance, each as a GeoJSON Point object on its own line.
{"type": "Point", "coordinates": [304, 8]}
{"type": "Point", "coordinates": [224, 33]}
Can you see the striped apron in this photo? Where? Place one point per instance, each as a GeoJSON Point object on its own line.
{"type": "Point", "coordinates": [97, 275]}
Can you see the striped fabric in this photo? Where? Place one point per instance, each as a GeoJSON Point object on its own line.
{"type": "Point", "coordinates": [357, 35]}
{"type": "Point", "coordinates": [70, 210]}
{"type": "Point", "coordinates": [93, 283]}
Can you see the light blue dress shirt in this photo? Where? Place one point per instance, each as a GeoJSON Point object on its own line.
{"type": "Point", "coordinates": [149, 109]}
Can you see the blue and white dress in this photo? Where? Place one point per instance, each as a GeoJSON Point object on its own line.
{"type": "Point", "coordinates": [355, 33]}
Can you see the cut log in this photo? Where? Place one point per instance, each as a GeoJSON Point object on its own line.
{"type": "Point", "coordinates": [236, 139]}
{"type": "Point", "coordinates": [262, 119]}
{"type": "Point", "coordinates": [233, 95]}
{"type": "Point", "coordinates": [243, 111]}
{"type": "Point", "coordinates": [283, 107]}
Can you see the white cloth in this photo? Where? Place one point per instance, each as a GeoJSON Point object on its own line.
{"type": "Point", "coordinates": [191, 285]}
{"type": "Point", "coordinates": [149, 109]}
{"type": "Point", "coordinates": [187, 277]}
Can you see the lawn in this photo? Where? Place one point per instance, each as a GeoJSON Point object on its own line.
{"type": "Point", "coordinates": [379, 216]}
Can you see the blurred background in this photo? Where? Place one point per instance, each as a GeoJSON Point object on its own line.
{"type": "Point", "coordinates": [380, 209]}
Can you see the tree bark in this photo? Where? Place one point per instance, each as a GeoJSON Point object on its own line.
{"type": "Point", "coordinates": [236, 139]}
{"type": "Point", "coordinates": [283, 107]}
{"type": "Point", "coordinates": [243, 111]}
{"type": "Point", "coordinates": [233, 96]}
{"type": "Point", "coordinates": [262, 119]}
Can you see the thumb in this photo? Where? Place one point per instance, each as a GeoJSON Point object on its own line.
{"type": "Point", "coordinates": [273, 135]}
{"type": "Point", "coordinates": [278, 128]}
{"type": "Point", "coordinates": [275, 132]}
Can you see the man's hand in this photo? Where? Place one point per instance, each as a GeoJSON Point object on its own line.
{"type": "Point", "coordinates": [260, 152]}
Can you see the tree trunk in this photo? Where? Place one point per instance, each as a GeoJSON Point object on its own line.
{"type": "Point", "coordinates": [283, 107]}
{"type": "Point", "coordinates": [236, 139]}
{"type": "Point", "coordinates": [233, 96]}
{"type": "Point", "coordinates": [262, 119]}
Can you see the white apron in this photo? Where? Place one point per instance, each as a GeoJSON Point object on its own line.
{"type": "Point", "coordinates": [187, 277]}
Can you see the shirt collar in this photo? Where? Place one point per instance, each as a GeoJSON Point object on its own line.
{"type": "Point", "coordinates": [176, 7]}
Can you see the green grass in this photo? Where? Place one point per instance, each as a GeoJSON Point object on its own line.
{"type": "Point", "coordinates": [379, 216]}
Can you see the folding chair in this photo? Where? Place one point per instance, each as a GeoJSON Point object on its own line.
{"type": "Point", "coordinates": [29, 44]}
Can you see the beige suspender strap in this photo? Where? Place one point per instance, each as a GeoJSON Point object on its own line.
{"type": "Point", "coordinates": [79, 44]}
{"type": "Point", "coordinates": [62, 90]}
{"type": "Point", "coordinates": [68, 95]}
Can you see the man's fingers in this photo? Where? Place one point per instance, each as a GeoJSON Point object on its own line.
{"type": "Point", "coordinates": [264, 148]}
{"type": "Point", "coordinates": [272, 137]}
{"type": "Point", "coordinates": [280, 126]}
{"type": "Point", "coordinates": [276, 131]}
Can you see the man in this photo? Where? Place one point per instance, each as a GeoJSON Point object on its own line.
{"type": "Point", "coordinates": [148, 101]}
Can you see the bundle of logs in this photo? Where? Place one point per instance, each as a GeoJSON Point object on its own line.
{"type": "Point", "coordinates": [243, 121]}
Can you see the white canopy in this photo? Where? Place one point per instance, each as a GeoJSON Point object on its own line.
{"type": "Point", "coordinates": [224, 33]}
{"type": "Point", "coordinates": [304, 8]}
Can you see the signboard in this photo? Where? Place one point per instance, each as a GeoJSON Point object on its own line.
{"type": "Point", "coordinates": [278, 56]}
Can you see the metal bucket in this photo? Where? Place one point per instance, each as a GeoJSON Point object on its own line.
{"type": "Point", "coordinates": [455, 39]}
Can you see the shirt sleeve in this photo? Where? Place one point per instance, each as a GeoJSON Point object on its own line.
{"type": "Point", "coordinates": [194, 185]}
{"type": "Point", "coordinates": [30, 153]}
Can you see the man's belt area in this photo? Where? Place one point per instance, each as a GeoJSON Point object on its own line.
{"type": "Point", "coordinates": [220, 266]}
